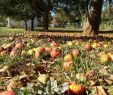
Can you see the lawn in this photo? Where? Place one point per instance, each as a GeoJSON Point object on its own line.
{"type": "Point", "coordinates": [6, 30]}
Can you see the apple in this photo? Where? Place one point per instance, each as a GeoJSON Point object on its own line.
{"type": "Point", "coordinates": [67, 65]}
{"type": "Point", "coordinates": [54, 53]}
{"type": "Point", "coordinates": [68, 57]}
{"type": "Point", "coordinates": [75, 52]}
{"type": "Point", "coordinates": [88, 46]}
{"type": "Point", "coordinates": [104, 58]}
{"type": "Point", "coordinates": [76, 89]}
{"type": "Point", "coordinates": [8, 93]}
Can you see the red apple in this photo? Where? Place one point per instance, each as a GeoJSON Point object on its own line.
{"type": "Point", "coordinates": [76, 89]}
{"type": "Point", "coordinates": [88, 46]}
{"type": "Point", "coordinates": [8, 93]}
{"type": "Point", "coordinates": [54, 53]}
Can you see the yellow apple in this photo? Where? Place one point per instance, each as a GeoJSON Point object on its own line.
{"type": "Point", "coordinates": [70, 43]}
{"type": "Point", "coordinates": [94, 45]}
{"type": "Point", "coordinates": [68, 57]}
{"type": "Point", "coordinates": [75, 52]}
{"type": "Point", "coordinates": [104, 58]}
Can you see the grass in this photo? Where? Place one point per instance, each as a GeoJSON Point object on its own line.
{"type": "Point", "coordinates": [53, 67]}
{"type": "Point", "coordinates": [6, 30]}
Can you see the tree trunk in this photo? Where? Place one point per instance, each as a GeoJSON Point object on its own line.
{"type": "Point", "coordinates": [91, 27]}
{"type": "Point", "coordinates": [32, 23]}
{"type": "Point", "coordinates": [34, 6]}
{"type": "Point", "coordinates": [25, 21]}
{"type": "Point", "coordinates": [46, 16]}
{"type": "Point", "coordinates": [45, 21]}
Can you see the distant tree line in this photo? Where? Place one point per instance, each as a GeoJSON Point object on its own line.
{"type": "Point", "coordinates": [67, 9]}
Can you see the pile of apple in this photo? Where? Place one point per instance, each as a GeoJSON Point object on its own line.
{"type": "Point", "coordinates": [68, 52]}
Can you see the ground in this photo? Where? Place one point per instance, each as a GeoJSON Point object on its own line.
{"type": "Point", "coordinates": [56, 63]}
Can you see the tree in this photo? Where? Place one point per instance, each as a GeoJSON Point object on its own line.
{"type": "Point", "coordinates": [67, 11]}
{"type": "Point", "coordinates": [61, 17]}
{"type": "Point", "coordinates": [6, 8]}
{"type": "Point", "coordinates": [93, 18]}
{"type": "Point", "coordinates": [42, 9]}
{"type": "Point", "coordinates": [48, 7]}
{"type": "Point", "coordinates": [19, 10]}
{"type": "Point", "coordinates": [24, 11]}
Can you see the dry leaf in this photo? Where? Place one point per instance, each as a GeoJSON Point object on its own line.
{"type": "Point", "coordinates": [100, 90]}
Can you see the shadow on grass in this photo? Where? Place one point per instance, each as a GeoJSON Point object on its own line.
{"type": "Point", "coordinates": [76, 31]}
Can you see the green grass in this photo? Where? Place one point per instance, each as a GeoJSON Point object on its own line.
{"type": "Point", "coordinates": [6, 30]}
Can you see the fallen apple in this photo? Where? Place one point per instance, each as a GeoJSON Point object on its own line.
{"type": "Point", "coordinates": [68, 57]}
{"type": "Point", "coordinates": [54, 53]}
{"type": "Point", "coordinates": [88, 46]}
{"type": "Point", "coordinates": [75, 52]}
{"type": "Point", "coordinates": [67, 65]}
{"type": "Point", "coordinates": [8, 93]}
{"type": "Point", "coordinates": [76, 89]}
{"type": "Point", "coordinates": [104, 58]}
